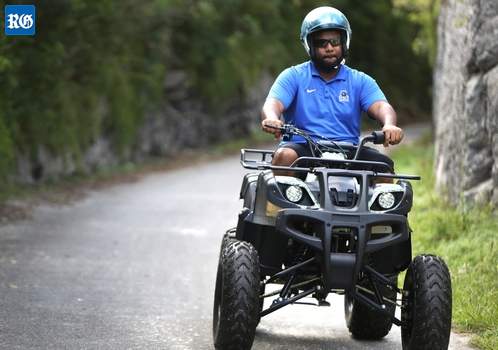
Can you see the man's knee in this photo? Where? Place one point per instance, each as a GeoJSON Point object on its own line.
{"type": "Point", "coordinates": [284, 156]}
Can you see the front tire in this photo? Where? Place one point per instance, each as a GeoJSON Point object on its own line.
{"type": "Point", "coordinates": [367, 323]}
{"type": "Point", "coordinates": [426, 312]}
{"type": "Point", "coordinates": [236, 301]}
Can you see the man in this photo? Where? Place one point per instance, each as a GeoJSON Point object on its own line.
{"type": "Point", "coordinates": [323, 95]}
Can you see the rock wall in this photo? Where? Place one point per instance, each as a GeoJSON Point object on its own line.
{"type": "Point", "coordinates": [466, 101]}
{"type": "Point", "coordinates": [188, 124]}
{"type": "Point", "coordinates": [181, 122]}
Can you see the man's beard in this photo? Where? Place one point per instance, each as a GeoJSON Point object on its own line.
{"type": "Point", "coordinates": [324, 66]}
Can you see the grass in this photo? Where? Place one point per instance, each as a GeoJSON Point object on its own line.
{"type": "Point", "coordinates": [466, 239]}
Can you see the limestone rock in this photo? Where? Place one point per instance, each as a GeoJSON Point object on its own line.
{"type": "Point", "coordinates": [466, 100]}
{"type": "Point", "coordinates": [183, 121]}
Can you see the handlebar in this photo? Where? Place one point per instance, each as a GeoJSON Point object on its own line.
{"type": "Point", "coordinates": [376, 137]}
{"type": "Point", "coordinates": [287, 129]}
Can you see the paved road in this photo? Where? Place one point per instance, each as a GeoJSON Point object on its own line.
{"type": "Point", "coordinates": [133, 266]}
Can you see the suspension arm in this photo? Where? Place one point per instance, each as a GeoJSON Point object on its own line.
{"type": "Point", "coordinates": [280, 304]}
{"type": "Point", "coordinates": [289, 270]}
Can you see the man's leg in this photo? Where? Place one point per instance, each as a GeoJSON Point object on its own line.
{"type": "Point", "coordinates": [284, 156]}
{"type": "Point", "coordinates": [287, 154]}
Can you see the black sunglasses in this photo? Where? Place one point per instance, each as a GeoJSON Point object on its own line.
{"type": "Point", "coordinates": [324, 42]}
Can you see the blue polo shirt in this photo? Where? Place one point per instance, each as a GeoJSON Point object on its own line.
{"type": "Point", "coordinates": [328, 108]}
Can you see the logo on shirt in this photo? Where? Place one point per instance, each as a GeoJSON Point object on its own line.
{"type": "Point", "coordinates": [309, 91]}
{"type": "Point", "coordinates": [343, 96]}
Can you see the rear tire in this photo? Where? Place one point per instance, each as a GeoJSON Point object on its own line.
{"type": "Point", "coordinates": [236, 301]}
{"type": "Point", "coordinates": [426, 312]}
{"type": "Point", "coordinates": [367, 323]}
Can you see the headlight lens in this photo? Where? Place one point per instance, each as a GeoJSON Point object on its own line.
{"type": "Point", "coordinates": [386, 200]}
{"type": "Point", "coordinates": [294, 193]}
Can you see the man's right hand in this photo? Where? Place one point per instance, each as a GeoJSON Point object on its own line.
{"type": "Point", "coordinates": [270, 116]}
{"type": "Point", "coordinates": [269, 125]}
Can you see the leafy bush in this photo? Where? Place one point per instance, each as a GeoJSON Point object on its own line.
{"type": "Point", "coordinates": [95, 67]}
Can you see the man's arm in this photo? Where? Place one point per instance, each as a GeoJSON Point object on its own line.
{"type": "Point", "coordinates": [270, 116]}
{"type": "Point", "coordinates": [384, 113]}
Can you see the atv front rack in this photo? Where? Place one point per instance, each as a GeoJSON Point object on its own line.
{"type": "Point", "coordinates": [257, 159]}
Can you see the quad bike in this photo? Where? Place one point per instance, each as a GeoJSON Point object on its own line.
{"type": "Point", "coordinates": [330, 228]}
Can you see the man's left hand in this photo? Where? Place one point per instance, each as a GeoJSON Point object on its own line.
{"type": "Point", "coordinates": [393, 135]}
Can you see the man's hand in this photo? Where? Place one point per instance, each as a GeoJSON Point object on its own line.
{"type": "Point", "coordinates": [384, 113]}
{"type": "Point", "coordinates": [270, 116]}
{"type": "Point", "coordinates": [267, 124]}
{"type": "Point", "coordinates": [393, 135]}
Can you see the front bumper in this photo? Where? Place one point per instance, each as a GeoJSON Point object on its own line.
{"type": "Point", "coordinates": [341, 269]}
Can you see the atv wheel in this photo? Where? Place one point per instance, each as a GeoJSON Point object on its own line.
{"type": "Point", "coordinates": [426, 312]}
{"type": "Point", "coordinates": [365, 322]}
{"type": "Point", "coordinates": [236, 299]}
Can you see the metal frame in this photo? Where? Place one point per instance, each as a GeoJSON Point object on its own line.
{"type": "Point", "coordinates": [285, 294]}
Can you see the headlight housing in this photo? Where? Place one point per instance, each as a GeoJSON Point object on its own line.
{"type": "Point", "coordinates": [296, 191]}
{"type": "Point", "coordinates": [385, 197]}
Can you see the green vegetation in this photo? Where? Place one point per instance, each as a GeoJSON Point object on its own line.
{"type": "Point", "coordinates": [425, 14]}
{"type": "Point", "coordinates": [87, 73]}
{"type": "Point", "coordinates": [466, 239]}
{"type": "Point", "coordinates": [95, 68]}
{"type": "Point", "coordinates": [239, 41]}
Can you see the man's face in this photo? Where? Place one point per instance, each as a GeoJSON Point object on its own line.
{"type": "Point", "coordinates": [328, 49]}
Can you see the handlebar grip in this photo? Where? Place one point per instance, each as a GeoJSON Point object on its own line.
{"type": "Point", "coordinates": [274, 127]}
{"type": "Point", "coordinates": [378, 137]}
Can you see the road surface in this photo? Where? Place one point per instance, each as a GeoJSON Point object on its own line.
{"type": "Point", "coordinates": [132, 266]}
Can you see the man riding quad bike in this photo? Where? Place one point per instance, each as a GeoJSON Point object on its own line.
{"type": "Point", "coordinates": [330, 228]}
